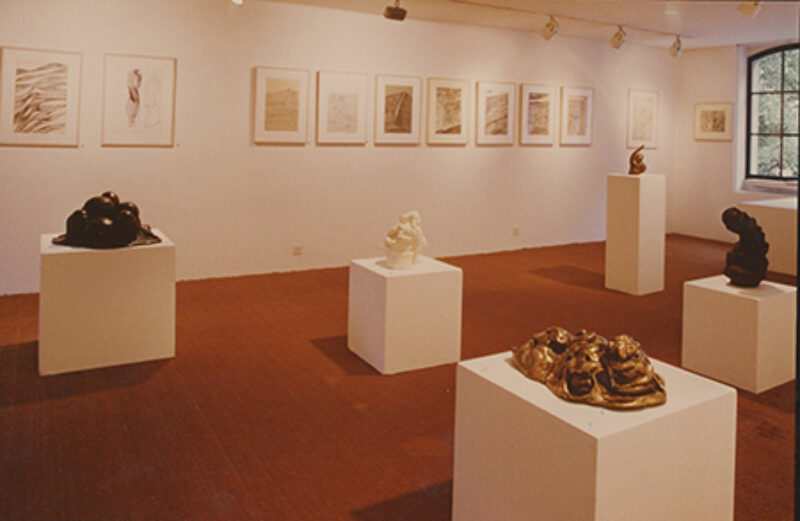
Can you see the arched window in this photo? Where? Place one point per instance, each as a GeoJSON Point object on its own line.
{"type": "Point", "coordinates": [772, 114]}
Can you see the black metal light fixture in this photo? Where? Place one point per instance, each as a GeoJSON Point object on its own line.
{"type": "Point", "coordinates": [395, 12]}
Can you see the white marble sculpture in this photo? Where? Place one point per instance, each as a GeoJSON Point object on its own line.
{"type": "Point", "coordinates": [405, 243]}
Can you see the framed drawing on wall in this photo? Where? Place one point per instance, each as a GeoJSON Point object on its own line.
{"type": "Point", "coordinates": [280, 106]}
{"type": "Point", "coordinates": [138, 101]}
{"type": "Point", "coordinates": [495, 115]}
{"type": "Point", "coordinates": [341, 108]}
{"type": "Point", "coordinates": [448, 102]}
{"type": "Point", "coordinates": [576, 115]}
{"type": "Point", "coordinates": [713, 121]}
{"type": "Point", "coordinates": [537, 115]}
{"type": "Point", "coordinates": [397, 110]}
{"type": "Point", "coordinates": [39, 97]}
{"type": "Point", "coordinates": [642, 118]}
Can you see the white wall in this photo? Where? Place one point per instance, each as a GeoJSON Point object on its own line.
{"type": "Point", "coordinates": [235, 208]}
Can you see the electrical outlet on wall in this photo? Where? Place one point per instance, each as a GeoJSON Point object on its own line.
{"type": "Point", "coordinates": [297, 250]}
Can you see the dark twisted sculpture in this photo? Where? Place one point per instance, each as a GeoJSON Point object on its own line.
{"type": "Point", "coordinates": [636, 162]}
{"type": "Point", "coordinates": [105, 222]}
{"type": "Point", "coordinates": [746, 264]}
{"type": "Point", "coordinates": [587, 368]}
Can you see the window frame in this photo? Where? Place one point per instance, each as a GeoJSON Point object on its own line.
{"type": "Point", "coordinates": [749, 134]}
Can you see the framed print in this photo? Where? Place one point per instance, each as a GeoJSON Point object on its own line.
{"type": "Point", "coordinates": [448, 102]}
{"type": "Point", "coordinates": [341, 108]}
{"type": "Point", "coordinates": [538, 106]}
{"type": "Point", "coordinates": [713, 121]}
{"type": "Point", "coordinates": [138, 101]}
{"type": "Point", "coordinates": [397, 110]}
{"type": "Point", "coordinates": [642, 118]}
{"type": "Point", "coordinates": [280, 105]}
{"type": "Point", "coordinates": [39, 97]}
{"type": "Point", "coordinates": [495, 116]}
{"type": "Point", "coordinates": [576, 115]}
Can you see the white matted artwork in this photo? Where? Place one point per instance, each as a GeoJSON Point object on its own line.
{"type": "Point", "coordinates": [341, 108]}
{"type": "Point", "coordinates": [398, 102]}
{"type": "Point", "coordinates": [39, 97]}
{"type": "Point", "coordinates": [448, 103]}
{"type": "Point", "coordinates": [139, 100]}
{"type": "Point", "coordinates": [642, 118]}
{"type": "Point", "coordinates": [713, 121]}
{"type": "Point", "coordinates": [576, 115]}
{"type": "Point", "coordinates": [280, 105]}
{"type": "Point", "coordinates": [538, 105]}
{"type": "Point", "coordinates": [495, 113]}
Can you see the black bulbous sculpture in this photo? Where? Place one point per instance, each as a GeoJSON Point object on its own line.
{"type": "Point", "coordinates": [105, 222]}
{"type": "Point", "coordinates": [746, 264]}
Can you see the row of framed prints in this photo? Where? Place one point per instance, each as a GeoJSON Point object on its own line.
{"type": "Point", "coordinates": [40, 98]}
{"type": "Point", "coordinates": [282, 95]}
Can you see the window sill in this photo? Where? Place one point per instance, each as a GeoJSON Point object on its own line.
{"type": "Point", "coordinates": [768, 186]}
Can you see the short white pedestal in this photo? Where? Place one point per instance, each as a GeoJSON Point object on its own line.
{"type": "Point", "coordinates": [523, 454]}
{"type": "Point", "coordinates": [635, 227]}
{"type": "Point", "coordinates": [399, 320]}
{"type": "Point", "coordinates": [741, 336]}
{"type": "Point", "coordinates": [100, 308]}
{"type": "Point", "coordinates": [778, 219]}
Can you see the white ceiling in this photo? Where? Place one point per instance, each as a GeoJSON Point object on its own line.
{"type": "Point", "coordinates": [646, 22]}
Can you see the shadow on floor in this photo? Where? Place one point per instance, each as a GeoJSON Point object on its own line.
{"type": "Point", "coordinates": [572, 275]}
{"type": "Point", "coordinates": [335, 349]}
{"type": "Point", "coordinates": [431, 504]}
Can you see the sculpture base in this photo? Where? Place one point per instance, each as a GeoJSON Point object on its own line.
{"type": "Point", "coordinates": [741, 336]}
{"type": "Point", "coordinates": [523, 454]}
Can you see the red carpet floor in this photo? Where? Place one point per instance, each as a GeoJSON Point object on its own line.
{"type": "Point", "coordinates": [265, 415]}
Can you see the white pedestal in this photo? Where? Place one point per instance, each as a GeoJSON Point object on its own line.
{"type": "Point", "coordinates": [399, 320]}
{"type": "Point", "coordinates": [778, 219]}
{"type": "Point", "coordinates": [741, 336]}
{"type": "Point", "coordinates": [523, 454]}
{"type": "Point", "coordinates": [635, 227]}
{"type": "Point", "coordinates": [100, 308]}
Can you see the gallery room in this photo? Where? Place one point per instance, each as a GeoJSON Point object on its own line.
{"type": "Point", "coordinates": [378, 260]}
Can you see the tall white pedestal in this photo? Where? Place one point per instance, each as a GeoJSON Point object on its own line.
{"type": "Point", "coordinates": [635, 227]}
{"type": "Point", "coordinates": [101, 308]}
{"type": "Point", "coordinates": [523, 454]}
{"type": "Point", "coordinates": [741, 336]}
{"type": "Point", "coordinates": [399, 320]}
{"type": "Point", "coordinates": [778, 219]}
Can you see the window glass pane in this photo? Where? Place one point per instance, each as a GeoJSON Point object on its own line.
{"type": "Point", "coordinates": [790, 148]}
{"type": "Point", "coordinates": [766, 113]}
{"type": "Point", "coordinates": [790, 115]}
{"type": "Point", "coordinates": [791, 73]}
{"type": "Point", "coordinates": [767, 73]}
{"type": "Point", "coordinates": [765, 156]}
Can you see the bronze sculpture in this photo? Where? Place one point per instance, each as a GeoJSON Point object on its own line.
{"type": "Point", "coordinates": [587, 368]}
{"type": "Point", "coordinates": [746, 264]}
{"type": "Point", "coordinates": [105, 222]}
{"type": "Point", "coordinates": [636, 162]}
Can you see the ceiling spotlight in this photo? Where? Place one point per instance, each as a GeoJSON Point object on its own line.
{"type": "Point", "coordinates": [675, 49]}
{"type": "Point", "coordinates": [238, 2]}
{"type": "Point", "coordinates": [618, 38]}
{"type": "Point", "coordinates": [395, 12]}
{"type": "Point", "coordinates": [549, 29]}
{"type": "Point", "coordinates": [749, 8]}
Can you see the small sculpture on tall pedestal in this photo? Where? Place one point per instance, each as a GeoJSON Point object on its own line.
{"type": "Point", "coordinates": [405, 242]}
{"type": "Point", "coordinates": [105, 222]}
{"type": "Point", "coordinates": [587, 368]}
{"type": "Point", "coordinates": [636, 162]}
{"type": "Point", "coordinates": [746, 264]}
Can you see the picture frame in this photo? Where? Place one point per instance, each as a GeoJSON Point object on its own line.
{"type": "Point", "coordinates": [538, 114]}
{"type": "Point", "coordinates": [40, 95]}
{"type": "Point", "coordinates": [448, 111]}
{"type": "Point", "coordinates": [576, 115]}
{"type": "Point", "coordinates": [138, 101]}
{"type": "Point", "coordinates": [713, 121]}
{"type": "Point", "coordinates": [398, 104]}
{"type": "Point", "coordinates": [341, 108]}
{"type": "Point", "coordinates": [642, 125]}
{"type": "Point", "coordinates": [495, 115]}
{"type": "Point", "coordinates": [280, 106]}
